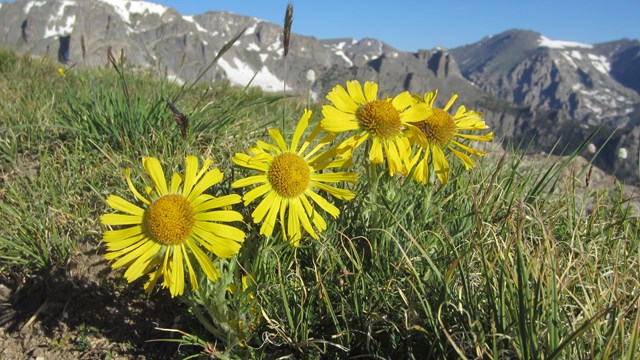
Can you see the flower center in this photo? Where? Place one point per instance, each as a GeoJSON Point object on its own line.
{"type": "Point", "coordinates": [380, 118]}
{"type": "Point", "coordinates": [169, 220]}
{"type": "Point", "coordinates": [438, 128]}
{"type": "Point", "coordinates": [289, 174]}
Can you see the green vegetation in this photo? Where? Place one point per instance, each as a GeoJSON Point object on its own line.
{"type": "Point", "coordinates": [507, 260]}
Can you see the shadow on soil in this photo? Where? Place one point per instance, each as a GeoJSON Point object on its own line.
{"type": "Point", "coordinates": [87, 311]}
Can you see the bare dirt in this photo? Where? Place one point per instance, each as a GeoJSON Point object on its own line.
{"type": "Point", "coordinates": [85, 311]}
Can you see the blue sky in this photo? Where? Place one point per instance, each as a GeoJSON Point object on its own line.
{"type": "Point", "coordinates": [410, 25]}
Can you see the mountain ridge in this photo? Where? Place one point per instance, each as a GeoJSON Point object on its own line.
{"type": "Point", "coordinates": [524, 82]}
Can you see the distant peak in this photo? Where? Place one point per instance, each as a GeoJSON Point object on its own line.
{"type": "Point", "coordinates": [544, 41]}
{"type": "Point", "coordinates": [124, 8]}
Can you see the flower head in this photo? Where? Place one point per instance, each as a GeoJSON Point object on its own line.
{"type": "Point", "coordinates": [177, 219]}
{"type": "Point", "coordinates": [438, 130]}
{"type": "Point", "coordinates": [359, 110]}
{"type": "Point", "coordinates": [289, 178]}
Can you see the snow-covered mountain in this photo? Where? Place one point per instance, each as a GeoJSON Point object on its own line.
{"type": "Point", "coordinates": [530, 69]}
{"type": "Point", "coordinates": [527, 85]}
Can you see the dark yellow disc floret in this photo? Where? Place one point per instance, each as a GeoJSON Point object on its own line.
{"type": "Point", "coordinates": [289, 175]}
{"type": "Point", "coordinates": [380, 118]}
{"type": "Point", "coordinates": [439, 128]}
{"type": "Point", "coordinates": [169, 220]}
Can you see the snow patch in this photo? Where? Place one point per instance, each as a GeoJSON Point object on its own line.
{"type": "Point", "coordinates": [600, 62]}
{"type": "Point", "coordinates": [343, 56]}
{"type": "Point", "coordinates": [263, 57]}
{"type": "Point", "coordinates": [253, 47]}
{"type": "Point", "coordinates": [544, 41]}
{"type": "Point", "coordinates": [124, 9]}
{"type": "Point", "coordinates": [277, 47]}
{"type": "Point", "coordinates": [341, 45]}
{"type": "Point", "coordinates": [576, 54]}
{"type": "Point", "coordinates": [251, 29]}
{"type": "Point", "coordinates": [54, 29]}
{"type": "Point", "coordinates": [240, 73]}
{"type": "Point", "coordinates": [192, 20]}
{"type": "Point", "coordinates": [569, 59]}
{"type": "Point", "coordinates": [31, 4]}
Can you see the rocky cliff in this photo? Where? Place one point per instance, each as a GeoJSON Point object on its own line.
{"type": "Point", "coordinates": [533, 90]}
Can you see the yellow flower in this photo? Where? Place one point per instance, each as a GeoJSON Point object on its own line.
{"type": "Point", "coordinates": [61, 71]}
{"type": "Point", "coordinates": [290, 176]}
{"type": "Point", "coordinates": [438, 130]}
{"type": "Point", "coordinates": [175, 221]}
{"type": "Point", "coordinates": [360, 110]}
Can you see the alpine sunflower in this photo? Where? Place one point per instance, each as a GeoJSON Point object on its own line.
{"type": "Point", "coordinates": [289, 179]}
{"type": "Point", "coordinates": [439, 130]}
{"type": "Point", "coordinates": [384, 120]}
{"type": "Point", "coordinates": [175, 221]}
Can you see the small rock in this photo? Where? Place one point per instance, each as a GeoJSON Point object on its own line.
{"type": "Point", "coordinates": [5, 293]}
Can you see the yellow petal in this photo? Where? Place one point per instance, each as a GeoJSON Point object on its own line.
{"type": "Point", "coordinates": [269, 222]}
{"type": "Point", "coordinates": [114, 235]}
{"type": "Point", "coordinates": [441, 165]}
{"type": "Point", "coordinates": [430, 97]}
{"type": "Point", "coordinates": [355, 91]}
{"type": "Point", "coordinates": [376, 155]}
{"type": "Point", "coordinates": [335, 176]}
{"type": "Point", "coordinates": [486, 137]}
{"type": "Point", "coordinates": [177, 272]}
{"type": "Point", "coordinates": [314, 216]}
{"type": "Point", "coordinates": [470, 150]}
{"type": "Point", "coordinates": [190, 171]}
{"type": "Point", "coordinates": [452, 99]}
{"type": "Point", "coordinates": [339, 97]}
{"type": "Point", "coordinates": [150, 246]}
{"type": "Point", "coordinates": [127, 175]}
{"type": "Point", "coordinates": [205, 262]}
{"type": "Point", "coordinates": [154, 169]}
{"type": "Point", "coordinates": [323, 203]}
{"type": "Point", "coordinates": [118, 203]}
{"type": "Point", "coordinates": [215, 202]}
{"type": "Point", "coordinates": [335, 120]}
{"type": "Point", "coordinates": [138, 267]}
{"type": "Point", "coordinates": [342, 194]}
{"type": "Point", "coordinates": [221, 215]}
{"type": "Point", "coordinates": [393, 159]}
{"type": "Point", "coordinates": [250, 180]}
{"type": "Point", "coordinates": [120, 219]}
{"type": "Point", "coordinates": [153, 279]}
{"type": "Point", "coordinates": [205, 167]}
{"type": "Point", "coordinates": [221, 247]}
{"type": "Point", "coordinates": [209, 179]}
{"type": "Point", "coordinates": [244, 160]}
{"type": "Point", "coordinates": [256, 193]}
{"type": "Point", "coordinates": [277, 137]}
{"type": "Point", "coordinates": [192, 274]}
{"type": "Point", "coordinates": [263, 207]}
{"type": "Point", "coordinates": [176, 180]}
{"type": "Point", "coordinates": [402, 101]}
{"type": "Point", "coordinates": [468, 162]}
{"type": "Point", "coordinates": [416, 113]}
{"type": "Point", "coordinates": [296, 206]}
{"type": "Point", "coordinates": [115, 247]}
{"type": "Point", "coordinates": [370, 91]}
{"type": "Point", "coordinates": [302, 125]}
{"type": "Point", "coordinates": [421, 172]}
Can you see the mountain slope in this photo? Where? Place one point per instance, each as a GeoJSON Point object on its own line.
{"type": "Point", "coordinates": [529, 69]}
{"type": "Point", "coordinates": [531, 89]}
